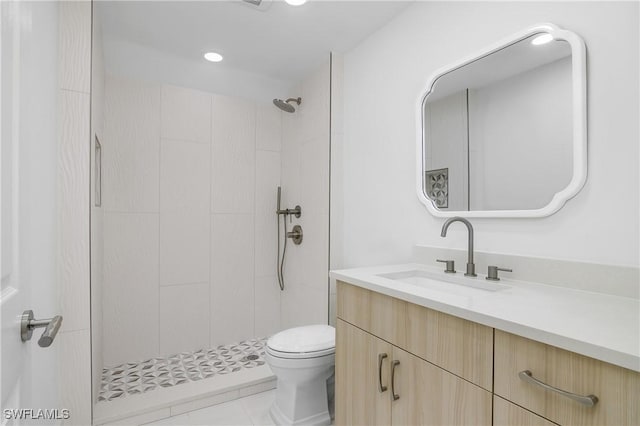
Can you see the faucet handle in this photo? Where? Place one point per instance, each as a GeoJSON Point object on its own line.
{"type": "Point", "coordinates": [450, 266]}
{"type": "Point", "coordinates": [492, 273]}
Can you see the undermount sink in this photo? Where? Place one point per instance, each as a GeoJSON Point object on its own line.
{"type": "Point", "coordinates": [448, 283]}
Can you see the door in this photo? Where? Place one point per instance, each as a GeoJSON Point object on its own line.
{"type": "Point", "coordinates": [429, 395]}
{"type": "Point", "coordinates": [363, 391]}
{"type": "Point", "coordinates": [28, 138]}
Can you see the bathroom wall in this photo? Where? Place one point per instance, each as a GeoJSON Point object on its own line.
{"type": "Point", "coordinates": [384, 77]}
{"type": "Point", "coordinates": [336, 178]}
{"type": "Point", "coordinates": [72, 209]}
{"type": "Point", "coordinates": [504, 139]}
{"type": "Point", "coordinates": [97, 214]}
{"type": "Point", "coordinates": [447, 145]}
{"type": "Point", "coordinates": [189, 226]}
{"type": "Point", "coordinates": [305, 182]}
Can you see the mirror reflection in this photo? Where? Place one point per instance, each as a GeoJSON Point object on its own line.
{"type": "Point", "coordinates": [497, 132]}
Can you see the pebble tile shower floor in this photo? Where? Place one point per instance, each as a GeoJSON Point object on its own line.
{"type": "Point", "coordinates": [138, 377]}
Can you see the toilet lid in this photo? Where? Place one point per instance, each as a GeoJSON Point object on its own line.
{"type": "Point", "coordinates": [310, 338]}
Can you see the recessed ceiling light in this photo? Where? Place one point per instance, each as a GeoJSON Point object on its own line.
{"type": "Point", "coordinates": [296, 2]}
{"type": "Point", "coordinates": [213, 57]}
{"type": "Point", "coordinates": [542, 39]}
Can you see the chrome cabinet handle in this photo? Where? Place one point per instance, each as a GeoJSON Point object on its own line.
{"type": "Point", "coordinates": [28, 323]}
{"type": "Point", "coordinates": [381, 357]}
{"type": "Point", "coordinates": [589, 400]}
{"type": "Point", "coordinates": [394, 395]}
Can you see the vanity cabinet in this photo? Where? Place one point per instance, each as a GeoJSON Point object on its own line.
{"type": "Point", "coordinates": [380, 384]}
{"type": "Point", "coordinates": [617, 389]}
{"type": "Point", "coordinates": [461, 347]}
{"type": "Point", "coordinates": [447, 370]}
{"type": "Point", "coordinates": [507, 414]}
{"type": "Point", "coordinates": [387, 347]}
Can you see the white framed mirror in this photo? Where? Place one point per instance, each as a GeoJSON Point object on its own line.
{"type": "Point", "coordinates": [503, 132]}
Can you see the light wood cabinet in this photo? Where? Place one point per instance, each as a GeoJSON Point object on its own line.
{"type": "Point", "coordinates": [434, 363]}
{"type": "Point", "coordinates": [617, 389]}
{"type": "Point", "coordinates": [429, 395]}
{"type": "Point", "coordinates": [426, 394]}
{"type": "Point", "coordinates": [507, 414]}
{"type": "Point", "coordinates": [359, 400]}
{"type": "Point", "coordinates": [445, 372]}
{"type": "Point", "coordinates": [461, 347]}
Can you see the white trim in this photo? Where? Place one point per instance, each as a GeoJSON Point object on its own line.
{"type": "Point", "coordinates": [579, 81]}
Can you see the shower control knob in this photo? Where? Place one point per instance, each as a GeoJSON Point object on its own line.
{"type": "Point", "coordinates": [296, 235]}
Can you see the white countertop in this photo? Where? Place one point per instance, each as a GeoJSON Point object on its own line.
{"type": "Point", "coordinates": [597, 325]}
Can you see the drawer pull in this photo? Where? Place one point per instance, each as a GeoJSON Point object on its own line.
{"type": "Point", "coordinates": [394, 364]}
{"type": "Point", "coordinates": [589, 400]}
{"type": "Point", "coordinates": [381, 357]}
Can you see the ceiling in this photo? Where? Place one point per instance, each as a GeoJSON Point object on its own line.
{"type": "Point", "coordinates": [277, 40]}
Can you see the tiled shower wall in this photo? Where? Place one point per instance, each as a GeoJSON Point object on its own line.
{"type": "Point", "coordinates": [189, 226]}
{"type": "Point", "coordinates": [305, 181]}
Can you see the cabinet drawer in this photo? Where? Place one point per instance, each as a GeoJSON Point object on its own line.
{"type": "Point", "coordinates": [617, 389]}
{"type": "Point", "coordinates": [462, 347]}
{"type": "Point", "coordinates": [508, 414]}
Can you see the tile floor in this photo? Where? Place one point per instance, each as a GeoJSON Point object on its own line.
{"type": "Point", "coordinates": [248, 411]}
{"type": "Point", "coordinates": [138, 377]}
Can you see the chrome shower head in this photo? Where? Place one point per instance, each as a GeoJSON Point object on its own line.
{"type": "Point", "coordinates": [286, 105]}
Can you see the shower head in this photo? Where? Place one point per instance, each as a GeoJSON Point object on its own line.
{"type": "Point", "coordinates": [286, 105]}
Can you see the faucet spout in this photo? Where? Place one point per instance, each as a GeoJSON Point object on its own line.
{"type": "Point", "coordinates": [471, 267]}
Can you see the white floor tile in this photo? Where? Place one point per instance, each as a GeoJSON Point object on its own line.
{"type": "Point", "coordinates": [258, 405]}
{"type": "Point", "coordinates": [250, 410]}
{"type": "Point", "coordinates": [228, 413]}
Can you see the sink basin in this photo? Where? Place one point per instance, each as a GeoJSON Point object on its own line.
{"type": "Point", "coordinates": [448, 283]}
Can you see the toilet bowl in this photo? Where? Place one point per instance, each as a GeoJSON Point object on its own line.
{"type": "Point", "coordinates": [303, 360]}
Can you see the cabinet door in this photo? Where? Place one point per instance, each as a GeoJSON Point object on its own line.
{"type": "Point", "coordinates": [359, 400]}
{"type": "Point", "coordinates": [429, 395]}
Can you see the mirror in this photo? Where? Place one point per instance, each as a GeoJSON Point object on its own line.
{"type": "Point", "coordinates": [503, 132]}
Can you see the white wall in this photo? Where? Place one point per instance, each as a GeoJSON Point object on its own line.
{"type": "Point", "coordinates": [447, 145]}
{"type": "Point", "coordinates": [336, 178]}
{"type": "Point", "coordinates": [190, 181]}
{"type": "Point", "coordinates": [73, 208]}
{"type": "Point", "coordinates": [97, 213]}
{"type": "Point", "coordinates": [305, 182]}
{"type": "Point", "coordinates": [384, 75]}
{"type": "Point", "coordinates": [519, 163]}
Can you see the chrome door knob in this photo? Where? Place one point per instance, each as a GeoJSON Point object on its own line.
{"type": "Point", "coordinates": [28, 323]}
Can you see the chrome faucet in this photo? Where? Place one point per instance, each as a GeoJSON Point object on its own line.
{"type": "Point", "coordinates": [471, 267]}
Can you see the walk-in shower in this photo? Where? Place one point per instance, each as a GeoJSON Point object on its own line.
{"type": "Point", "coordinates": [286, 105]}
{"type": "Point", "coordinates": [184, 285]}
{"type": "Point", "coordinates": [295, 235]}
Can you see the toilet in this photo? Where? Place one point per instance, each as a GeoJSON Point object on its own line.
{"type": "Point", "coordinates": [303, 360]}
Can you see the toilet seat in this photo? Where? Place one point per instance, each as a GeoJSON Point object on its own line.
{"type": "Point", "coordinates": [300, 355]}
{"type": "Point", "coordinates": [312, 341]}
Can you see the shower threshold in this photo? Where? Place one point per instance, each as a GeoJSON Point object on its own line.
{"type": "Point", "coordinates": [162, 387]}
